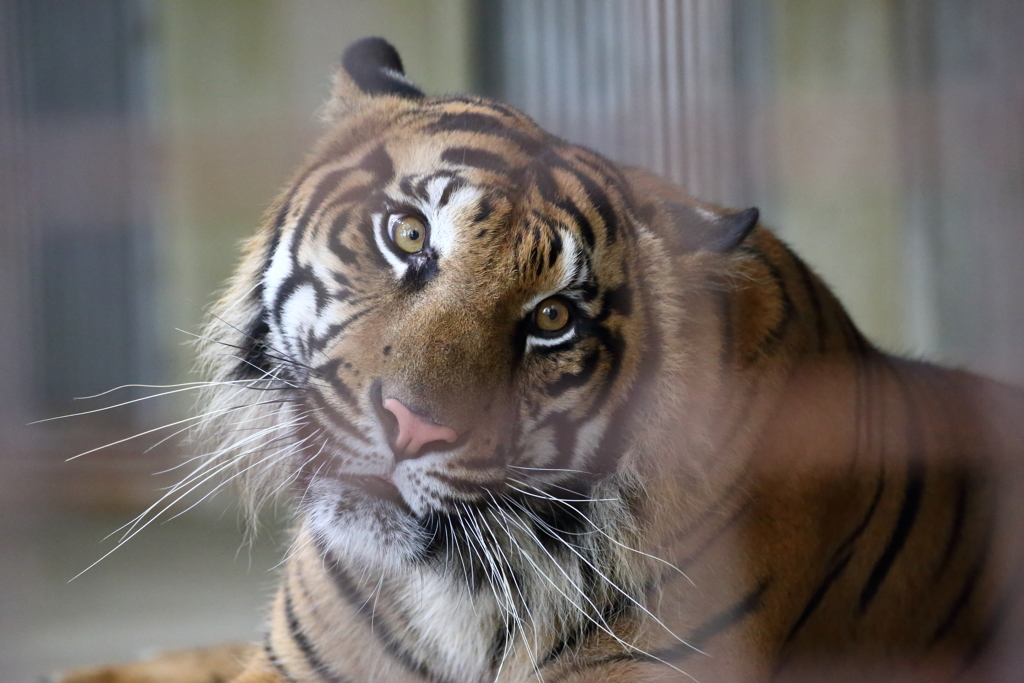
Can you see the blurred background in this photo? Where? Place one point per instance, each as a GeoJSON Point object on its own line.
{"type": "Point", "coordinates": [141, 140]}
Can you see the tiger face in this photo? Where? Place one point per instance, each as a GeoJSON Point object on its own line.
{"type": "Point", "coordinates": [445, 294]}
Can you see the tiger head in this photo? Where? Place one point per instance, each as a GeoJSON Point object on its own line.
{"type": "Point", "coordinates": [449, 306]}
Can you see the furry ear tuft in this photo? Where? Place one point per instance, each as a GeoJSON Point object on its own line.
{"type": "Point", "coordinates": [373, 63]}
{"type": "Point", "coordinates": [370, 67]}
{"type": "Point", "coordinates": [375, 68]}
{"type": "Point", "coordinates": [700, 229]}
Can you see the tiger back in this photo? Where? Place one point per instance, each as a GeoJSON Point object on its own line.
{"type": "Point", "coordinates": [545, 418]}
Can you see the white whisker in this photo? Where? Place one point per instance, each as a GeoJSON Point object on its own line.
{"type": "Point", "coordinates": [566, 500]}
{"type": "Point", "coordinates": [614, 585]}
{"type": "Point", "coordinates": [611, 538]}
{"type": "Point", "coordinates": [199, 471]}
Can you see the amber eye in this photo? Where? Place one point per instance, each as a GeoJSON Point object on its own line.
{"type": "Point", "coordinates": [551, 315]}
{"type": "Point", "coordinates": [408, 232]}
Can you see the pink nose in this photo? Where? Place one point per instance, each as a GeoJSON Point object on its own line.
{"type": "Point", "coordinates": [414, 432]}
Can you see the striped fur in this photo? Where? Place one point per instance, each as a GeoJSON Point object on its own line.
{"type": "Point", "coordinates": [710, 475]}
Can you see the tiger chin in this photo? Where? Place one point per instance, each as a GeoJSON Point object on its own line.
{"type": "Point", "coordinates": [547, 418]}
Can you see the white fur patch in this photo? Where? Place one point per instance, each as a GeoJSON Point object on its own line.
{"type": "Point", "coordinates": [441, 222]}
{"type": "Point", "coordinates": [382, 238]}
{"type": "Point", "coordinates": [280, 267]}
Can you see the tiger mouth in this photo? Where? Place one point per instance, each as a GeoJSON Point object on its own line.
{"type": "Point", "coordinates": [378, 488]}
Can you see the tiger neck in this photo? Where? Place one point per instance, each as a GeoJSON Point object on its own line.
{"type": "Point", "coordinates": [791, 386]}
{"type": "Point", "coordinates": [332, 617]}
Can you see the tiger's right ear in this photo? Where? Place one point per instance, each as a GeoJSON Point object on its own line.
{"type": "Point", "coordinates": [370, 67]}
{"type": "Point", "coordinates": [697, 228]}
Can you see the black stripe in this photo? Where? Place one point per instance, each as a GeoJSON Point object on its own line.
{"type": "Point", "coordinates": [854, 339]}
{"type": "Point", "coordinates": [750, 603]}
{"type": "Point", "coordinates": [484, 212]}
{"type": "Point", "coordinates": [255, 362]}
{"type": "Point", "coordinates": [275, 236]}
{"type": "Point", "coordinates": [609, 173]}
{"type": "Point", "coordinates": [300, 638]}
{"type": "Point", "coordinates": [956, 528]}
{"type": "Point", "coordinates": [579, 220]}
{"type": "Point", "coordinates": [614, 442]}
{"type": "Point", "coordinates": [534, 258]}
{"type": "Point", "coordinates": [611, 448]}
{"type": "Point", "coordinates": [329, 372]}
{"type": "Point", "coordinates": [474, 157]}
{"type": "Point", "coordinates": [904, 523]}
{"type": "Point", "coordinates": [378, 627]}
{"type": "Point", "coordinates": [482, 103]}
{"type": "Point", "coordinates": [422, 189]}
{"type": "Point", "coordinates": [368, 230]}
{"type": "Point", "coordinates": [568, 641]}
{"type": "Point", "coordinates": [277, 664]}
{"type": "Point", "coordinates": [963, 597]}
{"type": "Point", "coordinates": [334, 330]}
{"type": "Point", "coordinates": [615, 346]}
{"type": "Point", "coordinates": [811, 287]}
{"type": "Point", "coordinates": [485, 124]}
{"type": "Point", "coordinates": [406, 187]}
{"type": "Point", "coordinates": [468, 121]}
{"type": "Point", "coordinates": [461, 485]}
{"type": "Point", "coordinates": [338, 227]}
{"type": "Point", "coordinates": [379, 165]}
{"type": "Point", "coordinates": [357, 193]}
{"type": "Point", "coordinates": [324, 187]}
{"type": "Point", "coordinates": [575, 380]}
{"type": "Point", "coordinates": [554, 248]}
{"type": "Point", "coordinates": [560, 523]}
{"type": "Point", "coordinates": [818, 596]}
{"type": "Point", "coordinates": [773, 338]}
{"type": "Point", "coordinates": [449, 189]}
{"type": "Point", "coordinates": [331, 414]}
{"type": "Point", "coordinates": [282, 215]}
{"type": "Point", "coordinates": [868, 515]}
{"type": "Point", "coordinates": [543, 179]}
{"type": "Point", "coordinates": [601, 202]}
{"type": "Point", "coordinates": [301, 276]}
{"type": "Point", "coordinates": [729, 617]}
{"type": "Point", "coordinates": [1007, 604]}
{"type": "Point", "coordinates": [618, 300]}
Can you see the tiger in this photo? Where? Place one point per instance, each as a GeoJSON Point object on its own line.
{"type": "Point", "coordinates": [544, 417]}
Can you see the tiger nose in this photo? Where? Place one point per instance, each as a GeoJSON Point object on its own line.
{"type": "Point", "coordinates": [414, 431]}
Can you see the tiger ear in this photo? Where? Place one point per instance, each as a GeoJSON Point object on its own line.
{"type": "Point", "coordinates": [370, 67]}
{"type": "Point", "coordinates": [698, 229]}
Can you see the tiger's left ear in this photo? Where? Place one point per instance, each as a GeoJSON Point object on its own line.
{"type": "Point", "coordinates": [370, 67]}
{"type": "Point", "coordinates": [699, 229]}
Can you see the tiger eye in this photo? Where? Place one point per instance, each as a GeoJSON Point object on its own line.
{"type": "Point", "coordinates": [551, 315]}
{"type": "Point", "coordinates": [408, 233]}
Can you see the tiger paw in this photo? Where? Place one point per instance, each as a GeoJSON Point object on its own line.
{"type": "Point", "coordinates": [203, 665]}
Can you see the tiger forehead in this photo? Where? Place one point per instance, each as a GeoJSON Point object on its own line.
{"type": "Point", "coordinates": [488, 178]}
{"type": "Point", "coordinates": [487, 122]}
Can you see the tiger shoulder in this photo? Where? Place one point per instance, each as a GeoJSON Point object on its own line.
{"type": "Point", "coordinates": [543, 417]}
